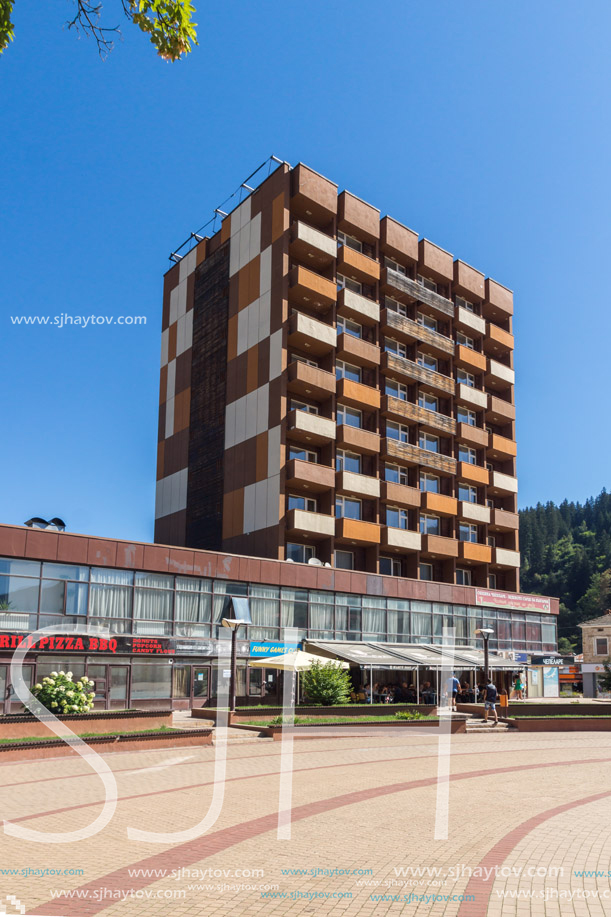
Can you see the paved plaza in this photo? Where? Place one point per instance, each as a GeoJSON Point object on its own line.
{"type": "Point", "coordinates": [525, 814]}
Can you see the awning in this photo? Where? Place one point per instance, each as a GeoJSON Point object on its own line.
{"type": "Point", "coordinates": [297, 661]}
{"type": "Point", "coordinates": [410, 656]}
{"type": "Point", "coordinates": [357, 653]}
{"type": "Point", "coordinates": [469, 657]}
{"type": "Point", "coordinates": [420, 654]}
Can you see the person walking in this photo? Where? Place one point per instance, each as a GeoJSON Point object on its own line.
{"type": "Point", "coordinates": [452, 689]}
{"type": "Point", "coordinates": [519, 687]}
{"type": "Point", "coordinates": [490, 702]}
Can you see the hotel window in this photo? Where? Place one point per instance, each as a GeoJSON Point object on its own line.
{"type": "Point", "coordinates": [429, 525]}
{"type": "Point", "coordinates": [344, 560]}
{"type": "Point", "coordinates": [426, 360]}
{"type": "Point", "coordinates": [300, 553]}
{"type": "Point", "coordinates": [492, 581]}
{"type": "Point", "coordinates": [394, 266]}
{"type": "Point", "coordinates": [467, 454]}
{"type": "Point", "coordinates": [428, 402]}
{"type": "Point", "coordinates": [465, 304]}
{"type": "Point", "coordinates": [426, 283]}
{"type": "Point", "coordinates": [464, 340]}
{"type": "Point", "coordinates": [297, 358]}
{"type": "Point", "coordinates": [396, 347]}
{"type": "Point", "coordinates": [467, 493]}
{"type": "Point", "coordinates": [465, 378]}
{"type": "Point", "coordinates": [395, 474]}
{"type": "Point", "coordinates": [390, 566]}
{"type": "Point", "coordinates": [427, 321]}
{"type": "Point", "coordinates": [464, 415]}
{"type": "Point", "coordinates": [347, 508]}
{"type": "Point", "coordinates": [306, 503]}
{"type": "Point", "coordinates": [347, 371]}
{"type": "Point", "coordinates": [345, 282]}
{"type": "Point", "coordinates": [397, 431]}
{"type": "Point", "coordinates": [349, 416]}
{"type": "Point", "coordinates": [428, 442]}
{"type": "Point", "coordinates": [601, 646]}
{"type": "Point", "coordinates": [347, 461]}
{"type": "Point", "coordinates": [425, 571]}
{"type": "Point", "coordinates": [429, 482]}
{"type": "Point", "coordinates": [467, 532]}
{"type": "Point", "coordinates": [463, 577]}
{"type": "Point", "coordinates": [349, 241]}
{"type": "Point", "coordinates": [395, 306]}
{"type": "Point", "coordinates": [302, 406]}
{"type": "Point", "coordinates": [347, 326]}
{"type": "Point", "coordinates": [396, 518]}
{"type": "Point", "coordinates": [396, 389]}
{"type": "Point", "coordinates": [303, 455]}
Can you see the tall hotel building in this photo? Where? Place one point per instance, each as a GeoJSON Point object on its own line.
{"type": "Point", "coordinates": [336, 390]}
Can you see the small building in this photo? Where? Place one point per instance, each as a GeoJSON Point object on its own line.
{"type": "Point", "coordinates": [596, 650]}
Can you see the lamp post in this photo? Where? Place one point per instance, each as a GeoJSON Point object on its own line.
{"type": "Point", "coordinates": [485, 633]}
{"type": "Point", "coordinates": [233, 624]}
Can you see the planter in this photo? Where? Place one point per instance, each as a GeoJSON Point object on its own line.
{"type": "Point", "coordinates": [247, 716]}
{"type": "Point", "coordinates": [23, 725]}
{"type": "Point", "coordinates": [22, 751]}
{"type": "Point", "coordinates": [312, 730]}
{"type": "Point", "coordinates": [528, 709]}
{"type": "Point", "coordinates": [558, 724]}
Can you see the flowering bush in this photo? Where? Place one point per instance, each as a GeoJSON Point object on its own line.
{"type": "Point", "coordinates": [62, 696]}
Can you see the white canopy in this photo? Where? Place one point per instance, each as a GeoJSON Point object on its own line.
{"type": "Point", "coordinates": [297, 661]}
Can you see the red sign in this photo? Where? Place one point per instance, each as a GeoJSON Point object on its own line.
{"type": "Point", "coordinates": [518, 601]}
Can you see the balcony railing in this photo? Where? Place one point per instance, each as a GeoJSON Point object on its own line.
{"type": "Point", "coordinates": [417, 456]}
{"type": "Point", "coordinates": [409, 411]}
{"type": "Point", "coordinates": [413, 370]}
{"type": "Point", "coordinates": [418, 292]}
{"type": "Point", "coordinates": [416, 332]}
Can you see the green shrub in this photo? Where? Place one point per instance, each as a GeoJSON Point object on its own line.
{"type": "Point", "coordinates": [409, 715]}
{"type": "Point", "coordinates": [280, 721]}
{"type": "Point", "coordinates": [62, 696]}
{"type": "Point", "coordinates": [326, 684]}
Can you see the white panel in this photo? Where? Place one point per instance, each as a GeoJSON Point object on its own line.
{"type": "Point", "coordinates": [171, 387]}
{"type": "Point", "coordinates": [234, 253]}
{"type": "Point", "coordinates": [165, 341]}
{"type": "Point", "coordinates": [266, 269]}
{"type": "Point", "coordinates": [169, 418]}
{"type": "Point", "coordinates": [242, 330]}
{"type": "Point", "coordinates": [255, 237]}
{"type": "Point", "coordinates": [245, 210]}
{"type": "Point", "coordinates": [159, 499]}
{"type": "Point", "coordinates": [183, 478]}
{"type": "Point", "coordinates": [253, 324]}
{"type": "Point", "coordinates": [275, 354]}
{"type": "Point", "coordinates": [230, 425]}
{"type": "Point", "coordinates": [262, 408]}
{"type": "Point", "coordinates": [182, 298]}
{"type": "Point", "coordinates": [251, 415]}
{"type": "Point", "coordinates": [188, 329]}
{"type": "Point", "coordinates": [249, 508]}
{"type": "Point", "coordinates": [240, 420]}
{"type": "Point", "coordinates": [273, 499]}
{"type": "Point", "coordinates": [183, 269]}
{"type": "Point", "coordinates": [180, 336]}
{"type": "Point", "coordinates": [244, 245]}
{"type": "Point", "coordinates": [236, 218]}
{"type": "Point", "coordinates": [174, 304]}
{"type": "Point", "coordinates": [175, 493]}
{"type": "Point", "coordinates": [264, 315]}
{"type": "Point", "coordinates": [273, 451]}
{"type": "Point", "coordinates": [192, 261]}
{"type": "Point", "coordinates": [261, 504]}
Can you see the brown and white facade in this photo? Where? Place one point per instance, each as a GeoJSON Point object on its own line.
{"type": "Point", "coordinates": [334, 387]}
{"type": "Point", "coordinates": [596, 638]}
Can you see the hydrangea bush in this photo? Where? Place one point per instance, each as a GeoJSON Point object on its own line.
{"type": "Point", "coordinates": [62, 696]}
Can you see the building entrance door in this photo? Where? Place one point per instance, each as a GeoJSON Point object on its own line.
{"type": "Point", "coordinates": [190, 686]}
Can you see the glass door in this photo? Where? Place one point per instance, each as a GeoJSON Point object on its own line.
{"type": "Point", "coordinates": [118, 679]}
{"type": "Point", "coordinates": [201, 685]}
{"type": "Point", "coordinates": [3, 669]}
{"type": "Point", "coordinates": [100, 677]}
{"type": "Point", "coordinates": [12, 703]}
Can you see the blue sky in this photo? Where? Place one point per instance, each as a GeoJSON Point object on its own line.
{"type": "Point", "coordinates": [483, 126]}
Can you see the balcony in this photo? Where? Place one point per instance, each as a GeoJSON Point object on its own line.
{"type": "Point", "coordinates": [408, 287]}
{"type": "Point", "coordinates": [355, 530]}
{"type": "Point", "coordinates": [306, 288]}
{"type": "Point", "coordinates": [309, 476]}
{"type": "Point", "coordinates": [504, 520]}
{"type": "Point", "coordinates": [498, 375]}
{"type": "Point", "coordinates": [474, 553]}
{"type": "Point", "coordinates": [505, 558]}
{"type": "Point", "coordinates": [499, 410]}
{"type": "Point", "coordinates": [311, 246]}
{"type": "Point", "coordinates": [312, 195]}
{"type": "Point", "coordinates": [468, 281]}
{"type": "Point", "coordinates": [474, 512]}
{"type": "Point", "coordinates": [395, 324]}
{"type": "Point", "coordinates": [361, 485]}
{"type": "Point", "coordinates": [356, 350]}
{"type": "Point", "coordinates": [310, 381]}
{"type": "Point", "coordinates": [315, 526]}
{"type": "Point", "coordinates": [497, 339]}
{"type": "Point", "coordinates": [498, 302]}
{"type": "Point", "coordinates": [473, 474]}
{"type": "Point", "coordinates": [401, 538]}
{"type": "Point", "coordinates": [501, 447]}
{"type": "Point", "coordinates": [469, 322]}
{"type": "Point", "coordinates": [355, 438]}
{"type": "Point", "coordinates": [439, 504]}
{"type": "Point", "coordinates": [503, 483]}
{"type": "Point", "coordinates": [473, 436]}
{"type": "Point", "coordinates": [357, 266]}
{"type": "Point", "coordinates": [310, 428]}
{"type": "Point", "coordinates": [470, 360]}
{"type": "Point", "coordinates": [359, 308]}
{"type": "Point", "coordinates": [395, 364]}
{"type": "Point", "coordinates": [310, 335]}
{"type": "Point", "coordinates": [473, 397]}
{"type": "Point", "coordinates": [401, 410]}
{"type": "Point", "coordinates": [357, 395]}
{"type": "Point", "coordinates": [439, 546]}
{"type": "Point", "coordinates": [414, 455]}
{"type": "Point", "coordinates": [400, 495]}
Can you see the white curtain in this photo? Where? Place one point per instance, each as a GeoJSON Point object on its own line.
{"type": "Point", "coordinates": [110, 602]}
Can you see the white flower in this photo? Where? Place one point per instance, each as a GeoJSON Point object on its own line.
{"type": "Point", "coordinates": [53, 674]}
{"type": "Point", "coordinates": [91, 695]}
{"type": "Point", "coordinates": [68, 674]}
{"type": "Point", "coordinates": [62, 689]}
{"type": "Point", "coordinates": [61, 673]}
{"type": "Point", "coordinates": [84, 679]}
{"type": "Point", "coordinates": [38, 687]}
{"type": "Point", "coordinates": [69, 693]}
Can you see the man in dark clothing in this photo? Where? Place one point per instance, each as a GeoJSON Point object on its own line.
{"type": "Point", "coordinates": [452, 688]}
{"type": "Point", "coordinates": [490, 702]}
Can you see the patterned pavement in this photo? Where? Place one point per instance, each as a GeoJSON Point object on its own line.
{"type": "Point", "coordinates": [525, 813]}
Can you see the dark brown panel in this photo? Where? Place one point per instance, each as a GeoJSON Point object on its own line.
{"type": "Point", "coordinates": [183, 371]}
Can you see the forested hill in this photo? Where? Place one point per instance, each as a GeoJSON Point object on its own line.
{"type": "Point", "coordinates": [566, 552]}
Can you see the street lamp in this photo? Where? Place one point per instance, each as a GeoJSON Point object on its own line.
{"type": "Point", "coordinates": [234, 624]}
{"type": "Point", "coordinates": [485, 633]}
